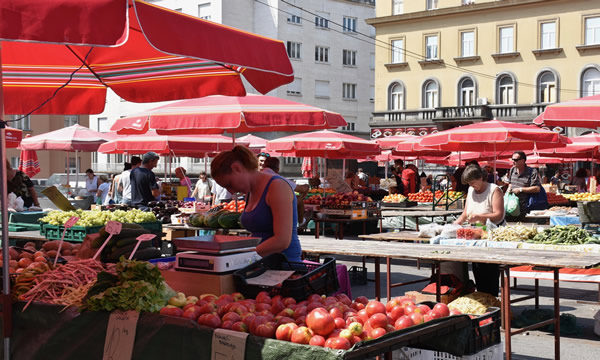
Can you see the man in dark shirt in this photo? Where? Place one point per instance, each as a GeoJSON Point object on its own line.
{"type": "Point", "coordinates": [20, 184]}
{"type": "Point", "coordinates": [143, 182]}
{"type": "Point", "coordinates": [523, 181]}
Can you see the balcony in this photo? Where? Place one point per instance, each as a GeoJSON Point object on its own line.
{"type": "Point", "coordinates": [445, 117]}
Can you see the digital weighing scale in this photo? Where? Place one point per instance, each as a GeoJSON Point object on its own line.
{"type": "Point", "coordinates": [218, 254]}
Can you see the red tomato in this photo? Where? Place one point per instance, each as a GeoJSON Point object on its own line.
{"type": "Point", "coordinates": [266, 330]}
{"type": "Point", "coordinates": [441, 309]}
{"type": "Point", "coordinates": [403, 322]}
{"type": "Point", "coordinates": [396, 312]}
{"type": "Point", "coordinates": [239, 326]}
{"type": "Point", "coordinates": [301, 335]}
{"type": "Point", "coordinates": [374, 307]}
{"type": "Point", "coordinates": [338, 343]}
{"type": "Point", "coordinates": [317, 340]}
{"type": "Point", "coordinates": [210, 320]}
{"type": "Point", "coordinates": [320, 322]}
{"type": "Point", "coordinates": [378, 332]}
{"type": "Point", "coordinates": [378, 320]}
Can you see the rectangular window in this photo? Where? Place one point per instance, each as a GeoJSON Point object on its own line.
{"type": "Point", "coordinates": [294, 50]}
{"type": "Point", "coordinates": [467, 43]}
{"type": "Point", "coordinates": [295, 87]}
{"type": "Point", "coordinates": [204, 11]}
{"type": "Point", "coordinates": [321, 88]}
{"type": "Point", "coordinates": [397, 7]}
{"type": "Point", "coordinates": [507, 39]}
{"type": "Point", "coordinates": [71, 120]}
{"type": "Point", "coordinates": [397, 51]}
{"type": "Point", "coordinates": [349, 91]}
{"type": "Point", "coordinates": [14, 162]}
{"type": "Point", "coordinates": [592, 30]}
{"type": "Point", "coordinates": [349, 24]}
{"type": "Point", "coordinates": [294, 15]}
{"type": "Point", "coordinates": [350, 127]}
{"type": "Point", "coordinates": [102, 124]}
{"type": "Point", "coordinates": [432, 4]}
{"type": "Point", "coordinates": [23, 124]}
{"type": "Point", "coordinates": [349, 57]}
{"type": "Point", "coordinates": [507, 94]}
{"type": "Point", "coordinates": [321, 54]}
{"type": "Point", "coordinates": [372, 61]}
{"type": "Point", "coordinates": [431, 47]}
{"type": "Point", "coordinates": [372, 93]}
{"type": "Point", "coordinates": [322, 20]}
{"type": "Point", "coordinates": [548, 35]}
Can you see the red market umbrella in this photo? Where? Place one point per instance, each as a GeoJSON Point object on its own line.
{"type": "Point", "coordinates": [177, 145]}
{"type": "Point", "coordinates": [255, 143]}
{"type": "Point", "coordinates": [584, 146]}
{"type": "Point", "coordinates": [409, 146]}
{"type": "Point", "coordinates": [28, 162]}
{"type": "Point", "coordinates": [143, 52]}
{"type": "Point", "coordinates": [72, 138]}
{"type": "Point", "coordinates": [583, 112]}
{"type": "Point", "coordinates": [324, 143]}
{"type": "Point", "coordinates": [234, 114]}
{"type": "Point", "coordinates": [494, 136]}
{"type": "Point", "coordinates": [308, 168]}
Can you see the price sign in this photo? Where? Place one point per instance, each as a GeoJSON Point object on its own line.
{"type": "Point", "coordinates": [143, 237]}
{"type": "Point", "coordinates": [113, 227]}
{"type": "Point", "coordinates": [228, 345]}
{"type": "Point", "coordinates": [120, 335]}
{"type": "Point", "coordinates": [71, 222]}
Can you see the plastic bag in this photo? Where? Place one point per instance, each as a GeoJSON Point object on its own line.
{"type": "Point", "coordinates": [15, 203]}
{"type": "Point", "coordinates": [429, 230]}
{"type": "Point", "coordinates": [511, 204]}
{"type": "Point", "coordinates": [449, 231]}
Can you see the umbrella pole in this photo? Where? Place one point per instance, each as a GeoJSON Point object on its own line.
{"type": "Point", "coordinates": [68, 173]}
{"type": "Point", "coordinates": [344, 168]}
{"type": "Point", "coordinates": [76, 170]}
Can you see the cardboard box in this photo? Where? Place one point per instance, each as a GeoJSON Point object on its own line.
{"type": "Point", "coordinates": [195, 283]}
{"type": "Point", "coordinates": [359, 214]}
{"type": "Point", "coordinates": [550, 188]}
{"type": "Point", "coordinates": [171, 234]}
{"type": "Point", "coordinates": [418, 297]}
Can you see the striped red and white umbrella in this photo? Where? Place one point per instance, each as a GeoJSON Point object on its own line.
{"type": "Point", "coordinates": [28, 162]}
{"type": "Point", "coordinates": [255, 143]}
{"type": "Point", "coordinates": [494, 136]}
{"type": "Point", "coordinates": [408, 145]}
{"type": "Point", "coordinates": [584, 146]}
{"type": "Point", "coordinates": [583, 112]}
{"type": "Point", "coordinates": [324, 143]}
{"type": "Point", "coordinates": [234, 114]}
{"type": "Point", "coordinates": [72, 138]}
{"type": "Point", "coordinates": [308, 167]}
{"type": "Point", "coordinates": [178, 145]}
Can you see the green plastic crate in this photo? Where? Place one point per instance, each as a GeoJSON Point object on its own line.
{"type": "Point", "coordinates": [155, 227]}
{"type": "Point", "coordinates": [76, 233]}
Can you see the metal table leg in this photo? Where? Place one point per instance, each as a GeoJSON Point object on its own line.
{"type": "Point", "coordinates": [377, 280]}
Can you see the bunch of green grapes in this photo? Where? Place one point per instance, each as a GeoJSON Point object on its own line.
{"type": "Point", "coordinates": [98, 218]}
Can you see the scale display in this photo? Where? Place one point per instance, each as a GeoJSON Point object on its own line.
{"type": "Point", "coordinates": [201, 264]}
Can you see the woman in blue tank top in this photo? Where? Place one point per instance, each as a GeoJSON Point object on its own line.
{"type": "Point", "coordinates": [270, 211]}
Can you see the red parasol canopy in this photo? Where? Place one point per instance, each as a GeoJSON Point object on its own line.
{"type": "Point", "coordinates": [408, 145]}
{"type": "Point", "coordinates": [255, 143]}
{"type": "Point", "coordinates": [143, 52]}
{"type": "Point", "coordinates": [585, 146]}
{"type": "Point", "coordinates": [583, 112]}
{"type": "Point", "coordinates": [325, 143]}
{"type": "Point", "coordinates": [307, 168]}
{"type": "Point", "coordinates": [217, 114]}
{"type": "Point", "coordinates": [494, 136]}
{"type": "Point", "coordinates": [72, 138]}
{"type": "Point", "coordinates": [178, 145]}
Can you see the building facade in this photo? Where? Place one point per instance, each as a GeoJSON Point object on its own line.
{"type": "Point", "coordinates": [441, 64]}
{"type": "Point", "coordinates": [329, 47]}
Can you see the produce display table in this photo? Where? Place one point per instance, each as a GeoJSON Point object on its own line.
{"type": "Point", "coordinates": [419, 213]}
{"type": "Point", "coordinates": [401, 236]}
{"type": "Point", "coordinates": [15, 236]}
{"type": "Point", "coordinates": [505, 257]}
{"type": "Point", "coordinates": [43, 332]}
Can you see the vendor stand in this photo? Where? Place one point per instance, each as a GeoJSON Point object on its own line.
{"type": "Point", "coordinates": [505, 257]}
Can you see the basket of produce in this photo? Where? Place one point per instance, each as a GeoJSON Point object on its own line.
{"type": "Point", "coordinates": [308, 277]}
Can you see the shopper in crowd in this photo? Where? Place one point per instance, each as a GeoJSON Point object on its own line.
{"type": "Point", "coordinates": [423, 182]}
{"type": "Point", "coordinates": [144, 187]}
{"type": "Point", "coordinates": [102, 197]}
{"type": "Point", "coordinates": [484, 202]}
{"type": "Point", "coordinates": [202, 191]}
{"type": "Point", "coordinates": [184, 180]}
{"type": "Point", "coordinates": [522, 181]}
{"type": "Point", "coordinates": [262, 157]}
{"type": "Point", "coordinates": [125, 180]}
{"type": "Point", "coordinates": [351, 179]}
{"type": "Point", "coordinates": [412, 172]}
{"type": "Point", "coordinates": [220, 194]}
{"type": "Point", "coordinates": [579, 180]}
{"type": "Point", "coordinates": [363, 177]}
{"type": "Point", "coordinates": [115, 192]}
{"type": "Point", "coordinates": [405, 178]}
{"type": "Point", "coordinates": [270, 211]}
{"type": "Point", "coordinates": [91, 183]}
{"type": "Point", "coordinates": [20, 184]}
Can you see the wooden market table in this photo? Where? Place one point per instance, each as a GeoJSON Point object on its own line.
{"type": "Point", "coordinates": [387, 212]}
{"type": "Point", "coordinates": [505, 257]}
{"type": "Point", "coordinates": [339, 233]}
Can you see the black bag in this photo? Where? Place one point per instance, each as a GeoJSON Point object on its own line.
{"type": "Point", "coordinates": [538, 201]}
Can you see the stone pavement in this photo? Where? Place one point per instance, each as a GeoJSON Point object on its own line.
{"type": "Point", "coordinates": [579, 299]}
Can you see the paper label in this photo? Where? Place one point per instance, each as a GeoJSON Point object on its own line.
{"type": "Point", "coordinates": [72, 221]}
{"type": "Point", "coordinates": [58, 198]}
{"type": "Point", "coordinates": [145, 237]}
{"type": "Point", "coordinates": [336, 182]}
{"type": "Point", "coordinates": [113, 227]}
{"type": "Point", "coordinates": [120, 335]}
{"type": "Point", "coordinates": [228, 345]}
{"type": "Point", "coordinates": [270, 277]}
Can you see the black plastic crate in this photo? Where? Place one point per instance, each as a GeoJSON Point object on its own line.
{"type": "Point", "coordinates": [358, 275]}
{"type": "Point", "coordinates": [486, 335]}
{"type": "Point", "coordinates": [316, 278]}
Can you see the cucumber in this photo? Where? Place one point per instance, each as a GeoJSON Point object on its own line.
{"type": "Point", "coordinates": [125, 241]}
{"type": "Point", "coordinates": [116, 253]}
{"type": "Point", "coordinates": [147, 254]}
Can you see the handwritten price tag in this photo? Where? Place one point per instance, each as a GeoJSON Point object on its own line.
{"type": "Point", "coordinates": [120, 335]}
{"type": "Point", "coordinates": [113, 227]}
{"type": "Point", "coordinates": [143, 237]}
{"type": "Point", "coordinates": [69, 224]}
{"type": "Point", "coordinates": [228, 345]}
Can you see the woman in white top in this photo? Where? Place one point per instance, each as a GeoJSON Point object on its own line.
{"type": "Point", "coordinates": [484, 201]}
{"type": "Point", "coordinates": [91, 183]}
{"type": "Point", "coordinates": [102, 192]}
{"type": "Point", "coordinates": [202, 191]}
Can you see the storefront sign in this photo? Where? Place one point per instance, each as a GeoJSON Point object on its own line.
{"type": "Point", "coordinates": [228, 345]}
{"type": "Point", "coordinates": [378, 133]}
{"type": "Point", "coordinates": [120, 335]}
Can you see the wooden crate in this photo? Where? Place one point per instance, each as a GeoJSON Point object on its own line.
{"type": "Point", "coordinates": [171, 234]}
{"type": "Point", "coordinates": [419, 297]}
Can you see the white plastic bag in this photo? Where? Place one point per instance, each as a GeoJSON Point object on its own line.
{"type": "Point", "coordinates": [449, 231]}
{"type": "Point", "coordinates": [430, 230]}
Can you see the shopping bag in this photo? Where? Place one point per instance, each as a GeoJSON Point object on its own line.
{"type": "Point", "coordinates": [538, 201]}
{"type": "Point", "coordinates": [511, 204]}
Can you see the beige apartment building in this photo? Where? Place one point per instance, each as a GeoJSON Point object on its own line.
{"type": "Point", "coordinates": [50, 161]}
{"type": "Point", "coordinates": [444, 63]}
